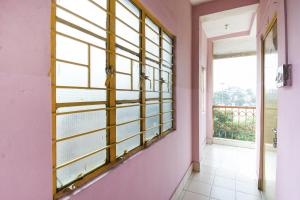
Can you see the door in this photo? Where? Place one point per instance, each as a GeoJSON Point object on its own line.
{"type": "Point", "coordinates": [270, 64]}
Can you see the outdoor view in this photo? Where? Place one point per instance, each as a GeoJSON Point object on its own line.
{"type": "Point", "coordinates": [234, 98]}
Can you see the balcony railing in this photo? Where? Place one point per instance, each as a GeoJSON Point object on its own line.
{"type": "Point", "coordinates": [234, 122]}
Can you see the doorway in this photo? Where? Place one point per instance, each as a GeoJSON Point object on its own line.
{"type": "Point", "coordinates": [269, 111]}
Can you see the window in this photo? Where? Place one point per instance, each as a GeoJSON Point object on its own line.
{"type": "Point", "coordinates": [113, 80]}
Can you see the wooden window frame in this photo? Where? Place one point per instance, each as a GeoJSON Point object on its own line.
{"type": "Point", "coordinates": [111, 101]}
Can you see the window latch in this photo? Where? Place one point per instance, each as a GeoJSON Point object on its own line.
{"type": "Point", "coordinates": [109, 73]}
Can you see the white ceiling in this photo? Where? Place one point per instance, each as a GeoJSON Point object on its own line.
{"type": "Point", "coordinates": [195, 2]}
{"type": "Point", "coordinates": [228, 22]}
{"type": "Point", "coordinates": [236, 45]}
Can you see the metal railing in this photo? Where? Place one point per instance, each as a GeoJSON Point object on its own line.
{"type": "Point", "coordinates": [234, 122]}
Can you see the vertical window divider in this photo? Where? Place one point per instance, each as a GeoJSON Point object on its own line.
{"type": "Point", "coordinates": [53, 84]}
{"type": "Point", "coordinates": [111, 92]}
{"type": "Point", "coordinates": [174, 83]}
{"type": "Point", "coordinates": [142, 79]}
{"type": "Point", "coordinates": [160, 82]}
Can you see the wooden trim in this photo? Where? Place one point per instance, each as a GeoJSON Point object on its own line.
{"type": "Point", "coordinates": [262, 155]}
{"type": "Point", "coordinates": [111, 95]}
{"type": "Point", "coordinates": [53, 83]}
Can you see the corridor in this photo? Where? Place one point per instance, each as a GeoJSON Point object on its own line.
{"type": "Point", "coordinates": [226, 173]}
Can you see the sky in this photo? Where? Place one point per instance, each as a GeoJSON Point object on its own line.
{"type": "Point", "coordinates": [235, 72]}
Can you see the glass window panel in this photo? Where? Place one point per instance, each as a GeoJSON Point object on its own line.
{"type": "Point", "coordinates": [85, 9]}
{"type": "Point", "coordinates": [152, 122]}
{"type": "Point", "coordinates": [131, 7]}
{"type": "Point", "coordinates": [77, 123]}
{"type": "Point", "coordinates": [98, 65]}
{"type": "Point", "coordinates": [152, 109]}
{"type": "Point", "coordinates": [152, 25]}
{"type": "Point", "coordinates": [128, 113]}
{"type": "Point", "coordinates": [81, 23]}
{"type": "Point", "coordinates": [71, 50]}
{"type": "Point", "coordinates": [78, 169]}
{"type": "Point", "coordinates": [65, 29]}
{"type": "Point", "coordinates": [167, 58]}
{"type": "Point", "coordinates": [125, 95]}
{"type": "Point", "coordinates": [167, 126]}
{"type": "Point", "coordinates": [123, 81]}
{"type": "Point", "coordinates": [74, 148]}
{"type": "Point", "coordinates": [152, 50]}
{"type": "Point", "coordinates": [79, 108]}
{"type": "Point", "coordinates": [167, 106]}
{"type": "Point", "coordinates": [136, 76]}
{"type": "Point", "coordinates": [71, 75]}
{"type": "Point", "coordinates": [123, 64]}
{"type": "Point", "coordinates": [150, 95]}
{"type": "Point", "coordinates": [151, 35]}
{"type": "Point", "coordinates": [131, 19]}
{"type": "Point", "coordinates": [167, 117]}
{"type": "Point", "coordinates": [79, 95]}
{"type": "Point", "coordinates": [152, 133]}
{"type": "Point", "coordinates": [126, 130]}
{"type": "Point", "coordinates": [128, 145]}
{"type": "Point", "coordinates": [131, 35]}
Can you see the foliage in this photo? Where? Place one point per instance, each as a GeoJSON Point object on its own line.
{"type": "Point", "coordinates": [226, 126]}
{"type": "Point", "coordinates": [235, 96]}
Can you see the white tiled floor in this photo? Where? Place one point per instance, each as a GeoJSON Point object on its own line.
{"type": "Point", "coordinates": [226, 173]}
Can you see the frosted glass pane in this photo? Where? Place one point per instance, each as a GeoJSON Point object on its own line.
{"type": "Point", "coordinates": [71, 50]}
{"type": "Point", "coordinates": [152, 25]}
{"type": "Point", "coordinates": [130, 35]}
{"type": "Point", "coordinates": [123, 81]}
{"type": "Point", "coordinates": [167, 117]}
{"type": "Point", "coordinates": [152, 48]}
{"type": "Point", "coordinates": [167, 47]}
{"type": "Point", "coordinates": [167, 58]}
{"type": "Point", "coordinates": [167, 38]}
{"type": "Point", "coordinates": [152, 109]}
{"type": "Point", "coordinates": [74, 148]}
{"type": "Point", "coordinates": [79, 108]}
{"type": "Point", "coordinates": [122, 53]}
{"type": "Point", "coordinates": [71, 75]}
{"type": "Point", "coordinates": [127, 130]}
{"type": "Point", "coordinates": [131, 7]}
{"type": "Point", "coordinates": [152, 122]}
{"type": "Point", "coordinates": [136, 76]}
{"type": "Point", "coordinates": [128, 145]}
{"type": "Point", "coordinates": [79, 22]}
{"type": "Point", "coordinates": [150, 95]}
{"type": "Point", "coordinates": [167, 106]}
{"type": "Point", "coordinates": [98, 65]}
{"type": "Point", "coordinates": [62, 28]}
{"type": "Point", "coordinates": [123, 64]}
{"type": "Point", "coordinates": [152, 133]}
{"type": "Point", "coordinates": [76, 170]}
{"type": "Point", "coordinates": [86, 10]}
{"type": "Point", "coordinates": [122, 13]}
{"type": "Point", "coordinates": [79, 95]}
{"type": "Point", "coordinates": [167, 126]}
{"type": "Point", "coordinates": [73, 124]}
{"type": "Point", "coordinates": [128, 114]}
{"type": "Point", "coordinates": [167, 95]}
{"type": "Point", "coordinates": [125, 95]}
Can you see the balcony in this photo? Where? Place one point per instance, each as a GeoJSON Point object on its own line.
{"type": "Point", "coordinates": [234, 122]}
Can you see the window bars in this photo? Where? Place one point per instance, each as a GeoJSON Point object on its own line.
{"type": "Point", "coordinates": [113, 76]}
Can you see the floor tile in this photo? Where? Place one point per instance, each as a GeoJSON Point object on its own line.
{"type": "Point", "coordinates": [222, 193]}
{"type": "Point", "coordinates": [225, 173]}
{"type": "Point", "coordinates": [202, 177]}
{"type": "Point", "coordinates": [224, 182]}
{"type": "Point", "coordinates": [247, 187]}
{"type": "Point", "coordinates": [194, 196]}
{"type": "Point", "coordinates": [199, 187]}
{"type": "Point", "coordinates": [244, 196]}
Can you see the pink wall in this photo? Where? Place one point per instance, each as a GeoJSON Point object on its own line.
{"type": "Point", "coordinates": [288, 162]}
{"type": "Point", "coordinates": [25, 144]}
